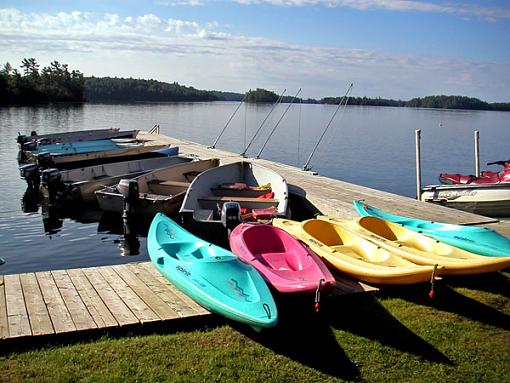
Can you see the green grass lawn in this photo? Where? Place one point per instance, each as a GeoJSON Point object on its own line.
{"type": "Point", "coordinates": [399, 335]}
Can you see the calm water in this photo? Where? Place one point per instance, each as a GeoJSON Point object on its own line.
{"type": "Point", "coordinates": [370, 146]}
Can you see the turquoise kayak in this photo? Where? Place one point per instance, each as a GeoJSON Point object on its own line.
{"type": "Point", "coordinates": [214, 277]}
{"type": "Point", "coordinates": [478, 240]}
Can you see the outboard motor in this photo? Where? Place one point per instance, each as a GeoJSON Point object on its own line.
{"type": "Point", "coordinates": [29, 145]}
{"type": "Point", "coordinates": [44, 160]}
{"type": "Point", "coordinates": [129, 190]}
{"type": "Point", "coordinates": [21, 139]}
{"type": "Point", "coordinates": [51, 177]}
{"type": "Point", "coordinates": [30, 173]}
{"type": "Point", "coordinates": [52, 187]}
{"type": "Point", "coordinates": [230, 215]}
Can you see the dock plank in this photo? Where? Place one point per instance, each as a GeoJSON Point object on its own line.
{"type": "Point", "coordinates": [78, 310]}
{"type": "Point", "coordinates": [115, 304]}
{"type": "Point", "coordinates": [137, 306]}
{"type": "Point", "coordinates": [102, 316]}
{"type": "Point", "coordinates": [59, 314]}
{"type": "Point", "coordinates": [183, 297]}
{"type": "Point", "coordinates": [17, 315]}
{"type": "Point", "coordinates": [158, 305]}
{"type": "Point", "coordinates": [4, 324]}
{"type": "Point", "coordinates": [166, 291]}
{"type": "Point", "coordinates": [38, 315]}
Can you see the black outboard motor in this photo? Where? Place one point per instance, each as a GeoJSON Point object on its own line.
{"type": "Point", "coordinates": [44, 160]}
{"type": "Point", "coordinates": [129, 190]}
{"type": "Point", "coordinates": [29, 145]}
{"type": "Point", "coordinates": [52, 187]}
{"type": "Point", "coordinates": [30, 173]}
{"type": "Point", "coordinates": [230, 215]}
{"type": "Point", "coordinates": [20, 139]}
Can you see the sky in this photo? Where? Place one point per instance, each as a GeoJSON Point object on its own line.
{"type": "Point", "coordinates": [397, 49]}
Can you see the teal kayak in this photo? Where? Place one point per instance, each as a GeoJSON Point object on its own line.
{"type": "Point", "coordinates": [214, 277]}
{"type": "Point", "coordinates": [478, 240]}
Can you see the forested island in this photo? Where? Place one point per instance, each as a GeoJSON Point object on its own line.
{"type": "Point", "coordinates": [57, 83]}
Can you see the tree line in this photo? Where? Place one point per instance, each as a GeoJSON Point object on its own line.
{"type": "Point", "coordinates": [56, 83]}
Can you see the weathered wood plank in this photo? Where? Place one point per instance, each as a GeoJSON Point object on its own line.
{"type": "Point", "coordinates": [165, 290]}
{"type": "Point", "coordinates": [133, 301]}
{"type": "Point", "coordinates": [183, 297]}
{"type": "Point", "coordinates": [117, 307]}
{"type": "Point", "coordinates": [38, 315]}
{"type": "Point", "coordinates": [4, 324]}
{"type": "Point", "coordinates": [17, 316]}
{"type": "Point", "coordinates": [59, 314]}
{"type": "Point", "coordinates": [79, 312]}
{"type": "Point", "coordinates": [95, 305]}
{"type": "Point", "coordinates": [162, 309]}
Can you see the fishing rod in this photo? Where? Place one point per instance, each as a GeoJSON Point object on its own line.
{"type": "Point", "coordinates": [306, 166]}
{"type": "Point", "coordinates": [263, 122]}
{"type": "Point", "coordinates": [281, 118]}
{"type": "Point", "coordinates": [228, 122]}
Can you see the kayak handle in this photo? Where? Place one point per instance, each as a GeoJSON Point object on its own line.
{"type": "Point", "coordinates": [267, 309]}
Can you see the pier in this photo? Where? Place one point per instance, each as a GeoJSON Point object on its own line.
{"type": "Point", "coordinates": [79, 300]}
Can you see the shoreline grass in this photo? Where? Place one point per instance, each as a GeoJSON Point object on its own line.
{"type": "Point", "coordinates": [462, 335]}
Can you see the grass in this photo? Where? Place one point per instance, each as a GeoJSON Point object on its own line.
{"type": "Point", "coordinates": [400, 335]}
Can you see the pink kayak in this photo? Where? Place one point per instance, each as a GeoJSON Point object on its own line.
{"type": "Point", "coordinates": [284, 262]}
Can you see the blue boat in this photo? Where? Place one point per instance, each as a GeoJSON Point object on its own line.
{"type": "Point", "coordinates": [82, 147]}
{"type": "Point", "coordinates": [213, 277]}
{"type": "Point", "coordinates": [478, 240]}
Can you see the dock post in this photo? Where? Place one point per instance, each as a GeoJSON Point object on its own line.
{"type": "Point", "coordinates": [418, 164]}
{"type": "Point", "coordinates": [477, 153]}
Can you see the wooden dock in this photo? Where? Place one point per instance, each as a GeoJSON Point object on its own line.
{"type": "Point", "coordinates": [99, 298]}
{"type": "Point", "coordinates": [334, 197]}
{"type": "Point", "coordinates": [108, 297]}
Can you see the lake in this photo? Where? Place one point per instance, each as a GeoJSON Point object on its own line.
{"type": "Point", "coordinates": [371, 146]}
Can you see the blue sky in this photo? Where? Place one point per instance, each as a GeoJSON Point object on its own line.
{"type": "Point", "coordinates": [389, 48]}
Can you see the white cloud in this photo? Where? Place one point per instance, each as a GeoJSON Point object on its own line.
{"type": "Point", "coordinates": [446, 7]}
{"type": "Point", "coordinates": [191, 3]}
{"type": "Point", "coordinates": [202, 55]}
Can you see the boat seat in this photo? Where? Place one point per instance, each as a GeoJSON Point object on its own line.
{"type": "Point", "coordinates": [277, 261]}
{"type": "Point", "coordinates": [174, 183]}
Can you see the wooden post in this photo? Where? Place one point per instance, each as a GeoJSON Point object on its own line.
{"type": "Point", "coordinates": [418, 164]}
{"type": "Point", "coordinates": [477, 153]}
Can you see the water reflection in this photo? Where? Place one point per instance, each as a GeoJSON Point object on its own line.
{"type": "Point", "coordinates": [52, 220]}
{"type": "Point", "coordinates": [30, 201]}
{"type": "Point", "coordinates": [128, 229]}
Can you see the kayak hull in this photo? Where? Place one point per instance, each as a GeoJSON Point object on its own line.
{"type": "Point", "coordinates": [286, 264]}
{"type": "Point", "coordinates": [213, 277]}
{"type": "Point", "coordinates": [478, 240]}
{"type": "Point", "coordinates": [419, 248]}
{"type": "Point", "coordinates": [353, 255]}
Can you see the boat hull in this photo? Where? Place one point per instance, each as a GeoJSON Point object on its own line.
{"type": "Point", "coordinates": [213, 277]}
{"type": "Point", "coordinates": [286, 264]}
{"type": "Point", "coordinates": [479, 240]}
{"type": "Point", "coordinates": [355, 256]}
{"type": "Point", "coordinates": [419, 248]}
{"type": "Point", "coordinates": [204, 199]}
{"type": "Point", "coordinates": [492, 200]}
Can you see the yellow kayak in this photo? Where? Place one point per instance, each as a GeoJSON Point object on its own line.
{"type": "Point", "coordinates": [354, 255]}
{"type": "Point", "coordinates": [419, 248]}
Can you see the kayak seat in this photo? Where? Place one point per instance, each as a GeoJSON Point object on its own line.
{"type": "Point", "coordinates": [182, 251]}
{"type": "Point", "coordinates": [277, 261]}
